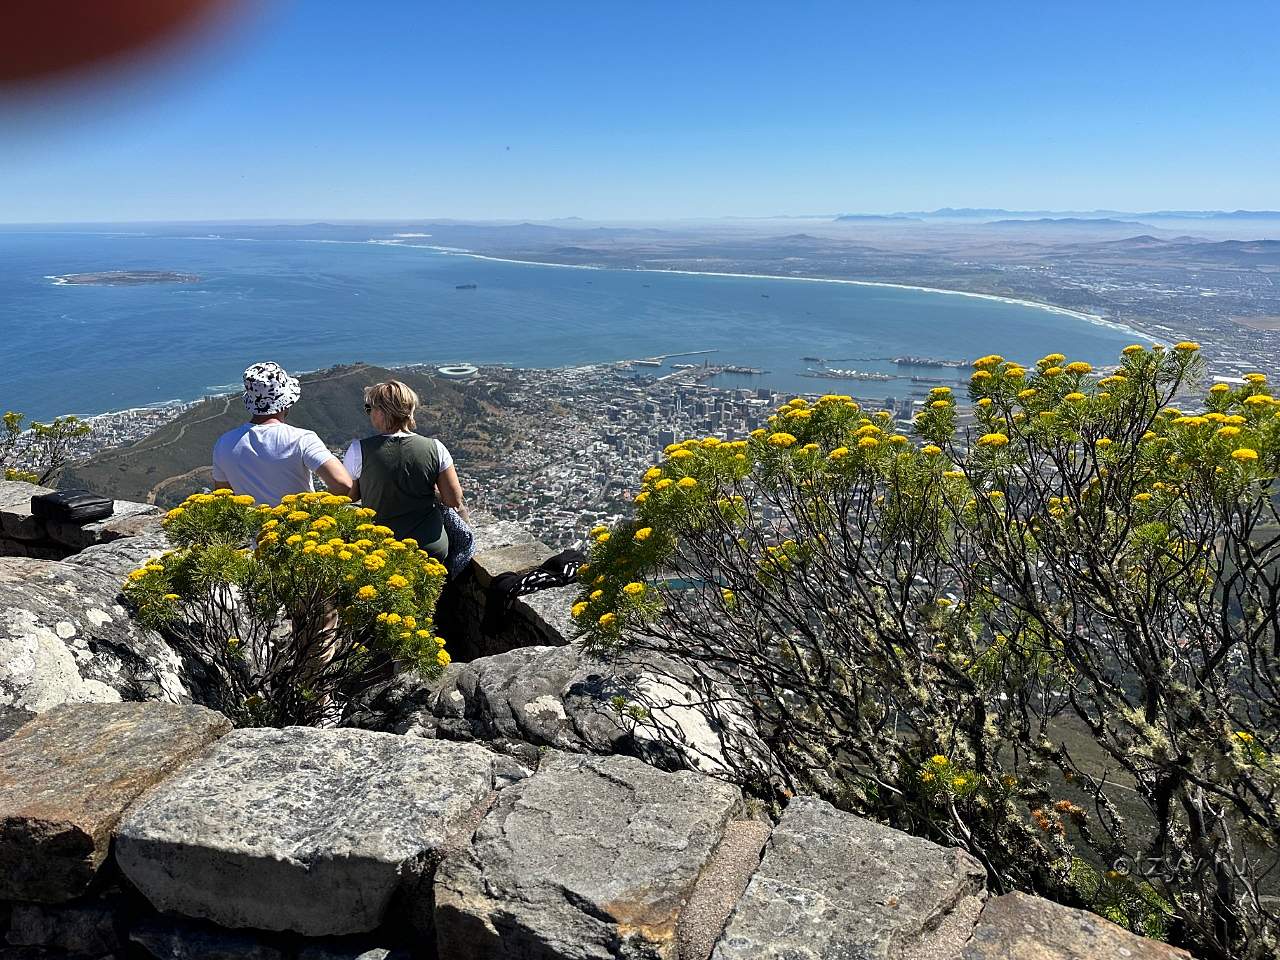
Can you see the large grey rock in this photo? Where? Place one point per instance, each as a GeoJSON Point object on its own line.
{"type": "Point", "coordinates": [68, 776]}
{"type": "Point", "coordinates": [129, 519]}
{"type": "Point", "coordinates": [833, 886]}
{"type": "Point", "coordinates": [301, 829]}
{"type": "Point", "coordinates": [591, 857]}
{"type": "Point", "coordinates": [562, 697]}
{"type": "Point", "coordinates": [537, 619]}
{"type": "Point", "coordinates": [65, 638]}
{"type": "Point", "coordinates": [520, 700]}
{"type": "Point", "coordinates": [1021, 927]}
{"type": "Point", "coordinates": [493, 534]}
{"type": "Point", "coordinates": [117, 557]}
{"type": "Point", "coordinates": [16, 519]}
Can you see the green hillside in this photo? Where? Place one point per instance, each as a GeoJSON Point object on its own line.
{"type": "Point", "coordinates": [173, 462]}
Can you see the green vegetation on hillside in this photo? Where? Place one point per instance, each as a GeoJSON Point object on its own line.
{"type": "Point", "coordinates": [915, 626]}
{"type": "Point", "coordinates": [173, 462]}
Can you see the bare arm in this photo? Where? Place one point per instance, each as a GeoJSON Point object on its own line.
{"type": "Point", "coordinates": [336, 478]}
{"type": "Point", "coordinates": [448, 489]}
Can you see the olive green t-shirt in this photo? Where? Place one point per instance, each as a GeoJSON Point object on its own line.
{"type": "Point", "coordinates": [398, 477]}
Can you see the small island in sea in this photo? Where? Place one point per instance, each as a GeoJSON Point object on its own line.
{"type": "Point", "coordinates": [124, 278]}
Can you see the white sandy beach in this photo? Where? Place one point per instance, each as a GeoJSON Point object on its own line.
{"type": "Point", "coordinates": [1092, 318]}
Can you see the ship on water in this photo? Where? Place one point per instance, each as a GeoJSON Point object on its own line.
{"type": "Point", "coordinates": [465, 286]}
{"type": "Point", "coordinates": [926, 362]}
{"type": "Point", "coordinates": [834, 373]}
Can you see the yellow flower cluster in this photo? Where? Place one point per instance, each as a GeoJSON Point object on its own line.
{"type": "Point", "coordinates": [311, 545]}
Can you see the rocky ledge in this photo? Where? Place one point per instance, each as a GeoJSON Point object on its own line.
{"type": "Point", "coordinates": [154, 827]}
{"type": "Point", "coordinates": [508, 809]}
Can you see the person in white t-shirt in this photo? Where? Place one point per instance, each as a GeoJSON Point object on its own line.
{"type": "Point", "coordinates": [266, 457]}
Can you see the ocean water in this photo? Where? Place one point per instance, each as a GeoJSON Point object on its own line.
{"type": "Point", "coordinates": [309, 304]}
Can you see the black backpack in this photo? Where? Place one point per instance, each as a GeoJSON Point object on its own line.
{"type": "Point", "coordinates": [71, 506]}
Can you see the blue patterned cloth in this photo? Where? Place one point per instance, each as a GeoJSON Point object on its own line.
{"type": "Point", "coordinates": [462, 541]}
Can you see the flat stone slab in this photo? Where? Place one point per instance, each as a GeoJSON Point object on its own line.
{"type": "Point", "coordinates": [66, 778]}
{"type": "Point", "coordinates": [19, 492]}
{"type": "Point", "coordinates": [835, 885]}
{"type": "Point", "coordinates": [16, 519]}
{"type": "Point", "coordinates": [65, 638]}
{"type": "Point", "coordinates": [591, 857]}
{"type": "Point", "coordinates": [18, 523]}
{"type": "Point", "coordinates": [1021, 927]}
{"type": "Point", "coordinates": [550, 611]}
{"type": "Point", "coordinates": [300, 829]}
{"type": "Point", "coordinates": [129, 519]}
{"type": "Point", "coordinates": [493, 534]}
{"type": "Point", "coordinates": [509, 559]}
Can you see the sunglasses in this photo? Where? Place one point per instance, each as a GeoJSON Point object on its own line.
{"type": "Point", "coordinates": [368, 408]}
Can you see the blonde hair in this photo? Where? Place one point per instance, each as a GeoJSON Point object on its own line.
{"type": "Point", "coordinates": [396, 400]}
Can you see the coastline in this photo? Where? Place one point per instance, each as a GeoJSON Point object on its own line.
{"type": "Point", "coordinates": [1091, 318]}
{"type": "Point", "coordinates": [441, 250]}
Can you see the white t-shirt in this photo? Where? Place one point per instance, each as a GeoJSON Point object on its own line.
{"type": "Point", "coordinates": [268, 460]}
{"type": "Point", "coordinates": [353, 459]}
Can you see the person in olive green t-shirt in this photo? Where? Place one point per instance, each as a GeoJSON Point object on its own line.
{"type": "Point", "coordinates": [402, 476]}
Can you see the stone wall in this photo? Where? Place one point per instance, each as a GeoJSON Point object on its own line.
{"type": "Point", "coordinates": [24, 535]}
{"type": "Point", "coordinates": [153, 829]}
{"type": "Point", "coordinates": [505, 810]}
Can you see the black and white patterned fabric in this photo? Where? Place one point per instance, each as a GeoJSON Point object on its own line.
{"type": "Point", "coordinates": [268, 389]}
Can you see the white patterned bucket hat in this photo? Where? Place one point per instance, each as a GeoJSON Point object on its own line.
{"type": "Point", "coordinates": [268, 389]}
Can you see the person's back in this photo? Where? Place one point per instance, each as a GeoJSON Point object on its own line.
{"type": "Point", "coordinates": [398, 475]}
{"type": "Point", "coordinates": [268, 460]}
{"type": "Point", "coordinates": [405, 478]}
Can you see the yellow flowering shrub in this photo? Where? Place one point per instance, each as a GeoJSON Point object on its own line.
{"type": "Point", "coordinates": [1039, 638]}
{"type": "Point", "coordinates": [300, 607]}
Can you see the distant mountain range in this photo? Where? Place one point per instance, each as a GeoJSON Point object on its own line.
{"type": "Point", "coordinates": [874, 217]}
{"type": "Point", "coordinates": [998, 213]}
{"type": "Point", "coordinates": [1068, 222]}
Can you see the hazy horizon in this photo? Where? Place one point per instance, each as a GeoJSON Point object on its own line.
{"type": "Point", "coordinates": [941, 214]}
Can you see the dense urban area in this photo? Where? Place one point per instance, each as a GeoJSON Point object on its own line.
{"type": "Point", "coordinates": [582, 435]}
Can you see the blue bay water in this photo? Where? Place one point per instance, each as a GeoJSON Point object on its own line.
{"type": "Point", "coordinates": [307, 304]}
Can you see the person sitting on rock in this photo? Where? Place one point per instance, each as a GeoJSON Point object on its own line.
{"type": "Point", "coordinates": [403, 476]}
{"type": "Point", "coordinates": [266, 457]}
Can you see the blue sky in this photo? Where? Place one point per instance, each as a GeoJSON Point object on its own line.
{"type": "Point", "coordinates": [611, 110]}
